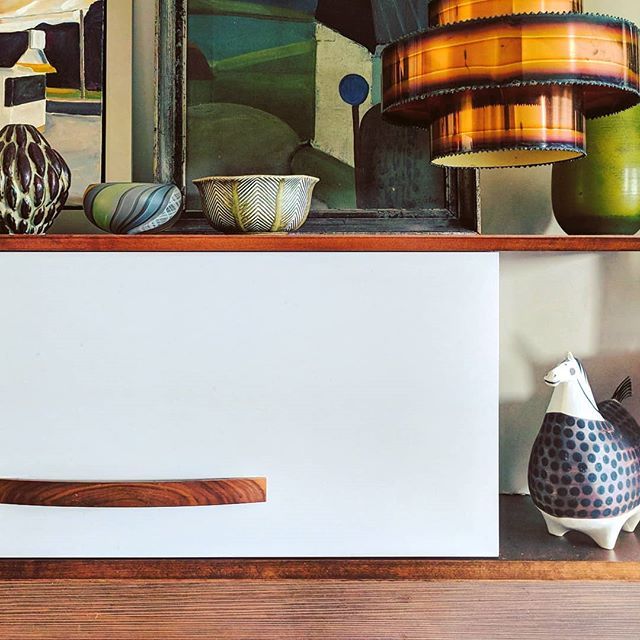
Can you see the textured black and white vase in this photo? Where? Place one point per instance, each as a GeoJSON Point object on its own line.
{"type": "Point", "coordinates": [256, 204]}
{"type": "Point", "coordinates": [584, 469]}
{"type": "Point", "coordinates": [34, 181]}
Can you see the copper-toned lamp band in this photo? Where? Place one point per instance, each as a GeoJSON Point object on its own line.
{"type": "Point", "coordinates": [499, 128]}
{"type": "Point", "coordinates": [448, 11]}
{"type": "Point", "coordinates": [597, 53]}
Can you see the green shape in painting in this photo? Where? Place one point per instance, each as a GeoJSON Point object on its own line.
{"type": "Point", "coordinates": [266, 64]}
{"type": "Point", "coordinates": [337, 186]}
{"type": "Point", "coordinates": [279, 81]}
{"type": "Point", "coordinates": [298, 10]}
{"type": "Point", "coordinates": [232, 140]}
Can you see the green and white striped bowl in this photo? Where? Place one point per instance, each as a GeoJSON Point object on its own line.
{"type": "Point", "coordinates": [132, 207]}
{"type": "Point", "coordinates": [256, 204]}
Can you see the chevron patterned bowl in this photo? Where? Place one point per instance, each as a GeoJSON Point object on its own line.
{"type": "Point", "coordinates": [132, 207]}
{"type": "Point", "coordinates": [256, 204]}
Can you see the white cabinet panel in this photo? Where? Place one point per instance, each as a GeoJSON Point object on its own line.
{"type": "Point", "coordinates": [364, 386]}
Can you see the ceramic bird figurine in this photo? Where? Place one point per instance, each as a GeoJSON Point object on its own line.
{"type": "Point", "coordinates": [584, 469]}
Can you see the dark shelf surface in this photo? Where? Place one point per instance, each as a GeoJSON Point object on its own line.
{"type": "Point", "coordinates": [445, 242]}
{"type": "Point", "coordinates": [523, 536]}
{"type": "Point", "coordinates": [528, 552]}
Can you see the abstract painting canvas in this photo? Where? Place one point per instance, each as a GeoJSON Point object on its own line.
{"type": "Point", "coordinates": [292, 87]}
{"type": "Point", "coordinates": [52, 77]}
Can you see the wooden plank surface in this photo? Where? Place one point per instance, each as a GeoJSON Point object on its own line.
{"type": "Point", "coordinates": [387, 599]}
{"type": "Point", "coordinates": [166, 493]}
{"type": "Point", "coordinates": [463, 242]}
{"type": "Point", "coordinates": [315, 570]}
{"type": "Point", "coordinates": [527, 553]}
{"type": "Point", "coordinates": [330, 610]}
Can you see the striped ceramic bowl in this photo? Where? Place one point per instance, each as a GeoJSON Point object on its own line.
{"type": "Point", "coordinates": [132, 207]}
{"type": "Point", "coordinates": [254, 204]}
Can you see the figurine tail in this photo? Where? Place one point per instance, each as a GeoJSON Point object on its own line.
{"type": "Point", "coordinates": [624, 390]}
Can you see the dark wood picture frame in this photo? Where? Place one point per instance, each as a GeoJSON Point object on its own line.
{"type": "Point", "coordinates": [460, 213]}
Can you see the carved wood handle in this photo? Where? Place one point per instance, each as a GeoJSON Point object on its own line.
{"type": "Point", "coordinates": [162, 493]}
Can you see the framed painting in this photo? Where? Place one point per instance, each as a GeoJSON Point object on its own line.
{"type": "Point", "coordinates": [293, 87]}
{"type": "Point", "coordinates": [65, 68]}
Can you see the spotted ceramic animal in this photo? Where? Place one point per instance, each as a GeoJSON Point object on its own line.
{"type": "Point", "coordinates": [34, 181]}
{"type": "Point", "coordinates": [584, 469]}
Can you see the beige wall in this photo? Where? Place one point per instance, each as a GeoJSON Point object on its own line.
{"type": "Point", "coordinates": [143, 88]}
{"type": "Point", "coordinates": [550, 304]}
{"type": "Point", "coordinates": [586, 303]}
{"type": "Point", "coordinates": [519, 200]}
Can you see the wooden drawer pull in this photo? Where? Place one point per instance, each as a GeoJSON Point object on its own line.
{"type": "Point", "coordinates": [162, 493]}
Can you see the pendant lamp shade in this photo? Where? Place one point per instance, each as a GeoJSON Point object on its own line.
{"type": "Point", "coordinates": [510, 82]}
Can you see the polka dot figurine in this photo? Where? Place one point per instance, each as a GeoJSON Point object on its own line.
{"type": "Point", "coordinates": [584, 469]}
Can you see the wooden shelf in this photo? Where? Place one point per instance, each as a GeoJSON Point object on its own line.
{"type": "Point", "coordinates": [174, 493]}
{"type": "Point", "coordinates": [528, 552]}
{"type": "Point", "coordinates": [461, 242]}
{"type": "Point", "coordinates": [541, 587]}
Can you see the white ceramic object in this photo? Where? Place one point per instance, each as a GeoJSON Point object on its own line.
{"type": "Point", "coordinates": [584, 470]}
{"type": "Point", "coordinates": [603, 531]}
{"type": "Point", "coordinates": [255, 204]}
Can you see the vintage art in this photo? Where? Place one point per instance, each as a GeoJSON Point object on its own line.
{"type": "Point", "coordinates": [52, 78]}
{"type": "Point", "coordinates": [250, 204]}
{"type": "Point", "coordinates": [265, 77]}
{"type": "Point", "coordinates": [584, 470]}
{"type": "Point", "coordinates": [510, 84]}
{"type": "Point", "coordinates": [595, 196]}
{"type": "Point", "coordinates": [293, 87]}
{"type": "Point", "coordinates": [132, 207]}
{"type": "Point", "coordinates": [34, 182]}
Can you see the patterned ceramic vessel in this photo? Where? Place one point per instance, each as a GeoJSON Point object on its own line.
{"type": "Point", "coordinates": [131, 208]}
{"type": "Point", "coordinates": [34, 181]}
{"type": "Point", "coordinates": [253, 204]}
{"type": "Point", "coordinates": [584, 469]}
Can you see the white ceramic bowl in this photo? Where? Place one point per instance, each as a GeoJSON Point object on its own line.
{"type": "Point", "coordinates": [254, 204]}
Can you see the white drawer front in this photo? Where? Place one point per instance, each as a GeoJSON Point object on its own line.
{"type": "Point", "coordinates": [364, 386]}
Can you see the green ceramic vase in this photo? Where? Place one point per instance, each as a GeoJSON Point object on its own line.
{"type": "Point", "coordinates": [600, 194]}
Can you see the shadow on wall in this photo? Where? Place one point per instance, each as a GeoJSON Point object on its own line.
{"type": "Point", "coordinates": [518, 201]}
{"type": "Point", "coordinates": [550, 304]}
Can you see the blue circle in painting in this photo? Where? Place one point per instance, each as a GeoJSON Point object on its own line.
{"type": "Point", "coordinates": [354, 89]}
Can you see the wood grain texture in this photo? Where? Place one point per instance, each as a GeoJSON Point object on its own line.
{"type": "Point", "coordinates": [317, 570]}
{"type": "Point", "coordinates": [462, 242]}
{"type": "Point", "coordinates": [334, 610]}
{"type": "Point", "coordinates": [527, 553]}
{"type": "Point", "coordinates": [332, 599]}
{"type": "Point", "coordinates": [175, 493]}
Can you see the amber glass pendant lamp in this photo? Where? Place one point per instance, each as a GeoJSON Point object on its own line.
{"type": "Point", "coordinates": [505, 83]}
